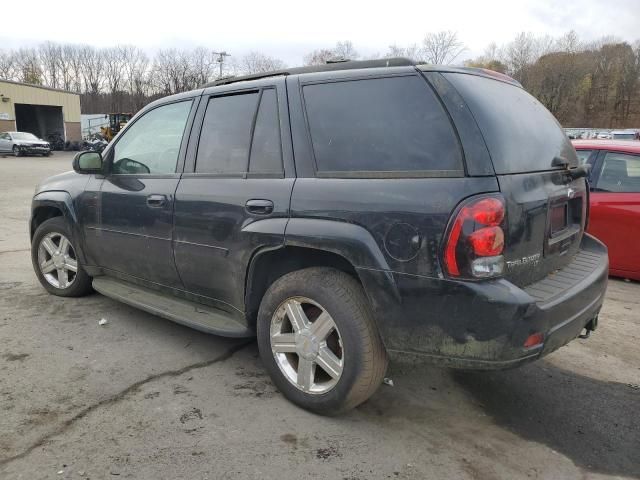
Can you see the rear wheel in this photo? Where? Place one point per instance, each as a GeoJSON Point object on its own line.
{"type": "Point", "coordinates": [55, 260]}
{"type": "Point", "coordinates": [319, 342]}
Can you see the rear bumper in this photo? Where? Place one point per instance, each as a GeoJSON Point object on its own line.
{"type": "Point", "coordinates": [484, 325]}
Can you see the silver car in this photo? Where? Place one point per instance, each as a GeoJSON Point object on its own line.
{"type": "Point", "coordinates": [23, 143]}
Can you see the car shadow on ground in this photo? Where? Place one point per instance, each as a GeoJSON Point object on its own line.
{"type": "Point", "coordinates": [594, 423]}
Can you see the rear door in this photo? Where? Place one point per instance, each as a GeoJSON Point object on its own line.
{"type": "Point", "coordinates": [615, 209]}
{"type": "Point", "coordinates": [545, 207]}
{"type": "Point", "coordinates": [233, 198]}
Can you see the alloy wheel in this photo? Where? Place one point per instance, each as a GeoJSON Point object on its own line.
{"type": "Point", "coordinates": [307, 345]}
{"type": "Point", "coordinates": [57, 260]}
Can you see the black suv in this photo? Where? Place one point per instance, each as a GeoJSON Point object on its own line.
{"type": "Point", "coordinates": [343, 214]}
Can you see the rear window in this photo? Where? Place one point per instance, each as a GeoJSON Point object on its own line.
{"type": "Point", "coordinates": [522, 135]}
{"type": "Point", "coordinates": [393, 124]}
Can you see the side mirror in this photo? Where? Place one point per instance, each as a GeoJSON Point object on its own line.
{"type": "Point", "coordinates": [87, 162]}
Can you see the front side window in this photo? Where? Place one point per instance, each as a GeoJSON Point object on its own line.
{"type": "Point", "coordinates": [152, 144]}
{"type": "Point", "coordinates": [393, 124]}
{"type": "Point", "coordinates": [620, 173]}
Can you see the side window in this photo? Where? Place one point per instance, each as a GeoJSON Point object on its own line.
{"type": "Point", "coordinates": [266, 153]}
{"type": "Point", "coordinates": [226, 134]}
{"type": "Point", "coordinates": [583, 156]}
{"type": "Point", "coordinates": [152, 143]}
{"type": "Point", "coordinates": [383, 125]}
{"type": "Point", "coordinates": [620, 173]}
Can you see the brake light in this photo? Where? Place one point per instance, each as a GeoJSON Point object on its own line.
{"type": "Point", "coordinates": [475, 240]}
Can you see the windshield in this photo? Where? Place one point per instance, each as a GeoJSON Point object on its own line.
{"type": "Point", "coordinates": [23, 136]}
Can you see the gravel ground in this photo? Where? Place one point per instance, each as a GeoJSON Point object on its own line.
{"type": "Point", "coordinates": [141, 397]}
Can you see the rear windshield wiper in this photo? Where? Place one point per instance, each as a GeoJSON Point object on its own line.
{"type": "Point", "coordinates": [576, 172]}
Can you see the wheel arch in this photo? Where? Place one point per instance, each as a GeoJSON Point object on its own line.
{"type": "Point", "coordinates": [313, 242]}
{"type": "Point", "coordinates": [50, 204]}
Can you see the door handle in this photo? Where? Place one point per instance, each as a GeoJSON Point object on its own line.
{"type": "Point", "coordinates": [156, 200]}
{"type": "Point", "coordinates": [259, 207]}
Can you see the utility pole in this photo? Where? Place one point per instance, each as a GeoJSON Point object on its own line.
{"type": "Point", "coordinates": [220, 59]}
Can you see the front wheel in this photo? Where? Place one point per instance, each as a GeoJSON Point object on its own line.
{"type": "Point", "coordinates": [319, 342]}
{"type": "Point", "coordinates": [16, 151]}
{"type": "Point", "coordinates": [55, 260]}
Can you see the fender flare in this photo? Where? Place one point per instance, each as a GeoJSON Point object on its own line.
{"type": "Point", "coordinates": [62, 201]}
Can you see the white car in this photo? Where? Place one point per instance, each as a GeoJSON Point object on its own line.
{"type": "Point", "coordinates": [625, 135]}
{"type": "Point", "coordinates": [23, 143]}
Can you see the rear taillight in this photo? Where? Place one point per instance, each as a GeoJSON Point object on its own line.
{"type": "Point", "coordinates": [475, 239]}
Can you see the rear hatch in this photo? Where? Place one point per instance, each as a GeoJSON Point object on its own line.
{"type": "Point", "coordinates": [545, 207]}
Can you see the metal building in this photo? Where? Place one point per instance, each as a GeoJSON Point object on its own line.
{"type": "Point", "coordinates": [39, 110]}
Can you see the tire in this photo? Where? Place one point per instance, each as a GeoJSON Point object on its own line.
{"type": "Point", "coordinates": [363, 358]}
{"type": "Point", "coordinates": [77, 283]}
{"type": "Point", "coordinates": [16, 151]}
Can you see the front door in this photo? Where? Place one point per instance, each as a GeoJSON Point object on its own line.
{"type": "Point", "coordinates": [615, 210]}
{"type": "Point", "coordinates": [235, 200]}
{"type": "Point", "coordinates": [134, 226]}
{"type": "Point", "coordinates": [5, 142]}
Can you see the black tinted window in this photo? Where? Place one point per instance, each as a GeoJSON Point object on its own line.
{"type": "Point", "coordinates": [620, 173]}
{"type": "Point", "coordinates": [384, 124]}
{"type": "Point", "coordinates": [522, 135]}
{"type": "Point", "coordinates": [226, 134]}
{"type": "Point", "coordinates": [266, 156]}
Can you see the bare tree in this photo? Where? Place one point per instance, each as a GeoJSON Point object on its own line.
{"type": "Point", "coordinates": [7, 65]}
{"type": "Point", "coordinates": [28, 69]}
{"type": "Point", "coordinates": [92, 68]}
{"type": "Point", "coordinates": [345, 51]}
{"type": "Point", "coordinates": [49, 56]}
{"type": "Point", "coordinates": [73, 61]}
{"type": "Point", "coordinates": [411, 52]}
{"type": "Point", "coordinates": [256, 62]}
{"type": "Point", "coordinates": [319, 57]}
{"type": "Point", "coordinates": [441, 48]}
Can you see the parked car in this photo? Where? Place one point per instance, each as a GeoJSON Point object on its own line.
{"type": "Point", "coordinates": [603, 136]}
{"type": "Point", "coordinates": [23, 143]}
{"type": "Point", "coordinates": [344, 214]}
{"type": "Point", "coordinates": [615, 201]}
{"type": "Point", "coordinates": [625, 135]}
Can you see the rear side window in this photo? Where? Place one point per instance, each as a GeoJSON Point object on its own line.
{"type": "Point", "coordinates": [583, 156]}
{"type": "Point", "coordinates": [620, 173]}
{"type": "Point", "coordinates": [393, 124]}
{"type": "Point", "coordinates": [266, 154]}
{"type": "Point", "coordinates": [226, 134]}
{"type": "Point", "coordinates": [522, 135]}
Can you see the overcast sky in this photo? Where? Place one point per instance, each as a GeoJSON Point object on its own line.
{"type": "Point", "coordinates": [289, 29]}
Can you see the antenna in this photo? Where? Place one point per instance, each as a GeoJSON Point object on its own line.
{"type": "Point", "coordinates": [220, 59]}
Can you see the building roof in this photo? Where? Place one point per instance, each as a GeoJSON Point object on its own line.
{"type": "Point", "coordinates": [38, 86]}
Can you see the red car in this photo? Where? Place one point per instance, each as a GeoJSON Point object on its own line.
{"type": "Point", "coordinates": [615, 200]}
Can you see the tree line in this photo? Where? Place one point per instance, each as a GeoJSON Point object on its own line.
{"type": "Point", "coordinates": [582, 83]}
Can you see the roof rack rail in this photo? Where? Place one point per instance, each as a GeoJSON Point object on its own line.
{"type": "Point", "coordinates": [328, 67]}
